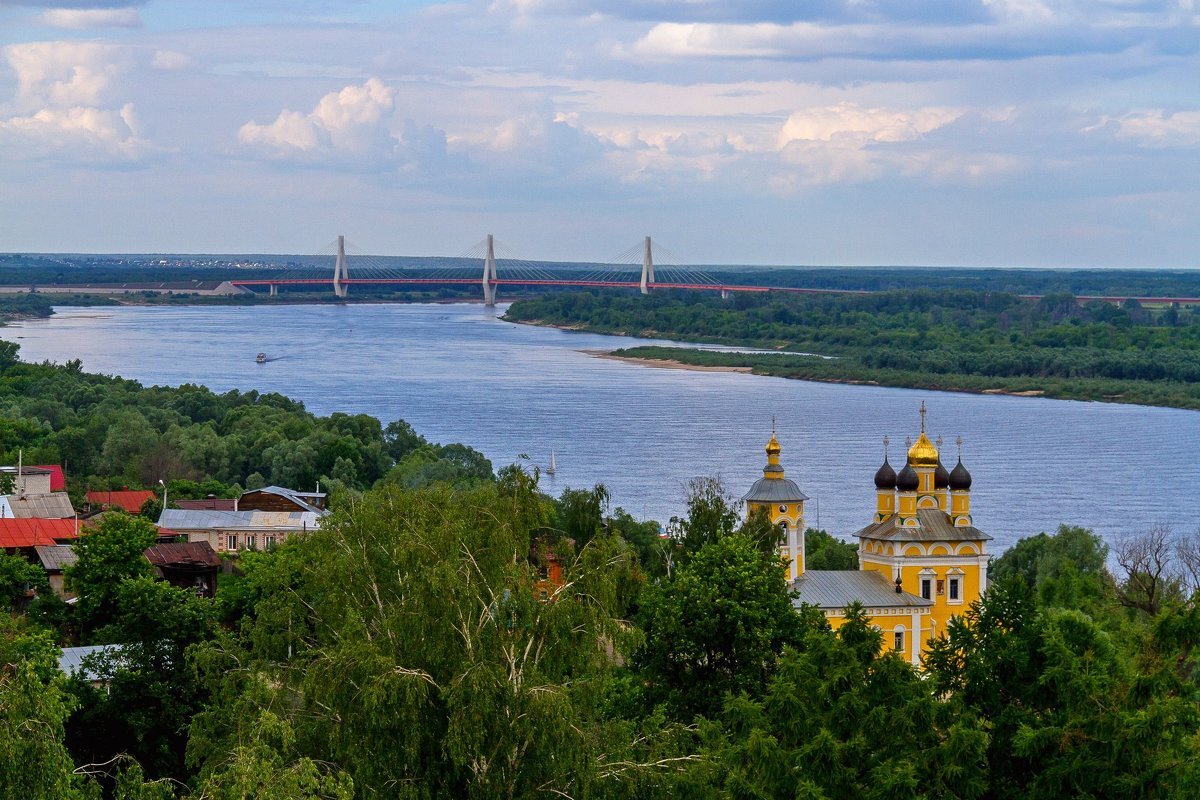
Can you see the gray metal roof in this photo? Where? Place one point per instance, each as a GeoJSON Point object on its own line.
{"type": "Point", "coordinates": [72, 660]}
{"type": "Point", "coordinates": [774, 490]}
{"type": "Point", "coordinates": [55, 505]}
{"type": "Point", "coordinates": [179, 519]}
{"type": "Point", "coordinates": [933, 525]}
{"type": "Point", "coordinates": [57, 557]}
{"type": "Point", "coordinates": [25, 471]}
{"type": "Point", "coordinates": [836, 589]}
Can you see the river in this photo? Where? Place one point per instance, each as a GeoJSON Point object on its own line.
{"type": "Point", "coordinates": [460, 374]}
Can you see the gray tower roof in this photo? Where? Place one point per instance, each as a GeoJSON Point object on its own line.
{"type": "Point", "coordinates": [774, 490]}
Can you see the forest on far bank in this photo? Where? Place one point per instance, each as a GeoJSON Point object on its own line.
{"type": "Point", "coordinates": [920, 338]}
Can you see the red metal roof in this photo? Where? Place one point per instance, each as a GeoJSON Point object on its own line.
{"type": "Point", "coordinates": [58, 481]}
{"type": "Point", "coordinates": [34, 532]}
{"type": "Point", "coordinates": [130, 501]}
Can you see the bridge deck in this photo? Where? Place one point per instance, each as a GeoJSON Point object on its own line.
{"type": "Point", "coordinates": [596, 284]}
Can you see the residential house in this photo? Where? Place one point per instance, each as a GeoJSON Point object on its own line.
{"type": "Point", "coordinates": [29, 480]}
{"type": "Point", "coordinates": [22, 536]}
{"type": "Point", "coordinates": [51, 505]}
{"type": "Point", "coordinates": [277, 498]}
{"type": "Point", "coordinates": [91, 663]}
{"type": "Point", "coordinates": [238, 530]}
{"type": "Point", "coordinates": [187, 565]}
{"type": "Point", "coordinates": [55, 559]}
{"type": "Point", "coordinates": [58, 481]}
{"type": "Point", "coordinates": [545, 553]}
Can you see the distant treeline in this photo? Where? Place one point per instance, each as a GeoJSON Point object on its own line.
{"type": "Point", "coordinates": [51, 269]}
{"type": "Point", "coordinates": [945, 339]}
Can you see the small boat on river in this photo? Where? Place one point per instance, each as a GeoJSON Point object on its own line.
{"type": "Point", "coordinates": [261, 358]}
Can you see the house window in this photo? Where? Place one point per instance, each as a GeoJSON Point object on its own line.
{"type": "Point", "coordinates": [232, 543]}
{"type": "Point", "coordinates": [927, 588]}
{"type": "Point", "coordinates": [954, 588]}
{"type": "Point", "coordinates": [250, 541]}
{"type": "Point", "coordinates": [941, 586]}
{"type": "Point", "coordinates": [898, 640]}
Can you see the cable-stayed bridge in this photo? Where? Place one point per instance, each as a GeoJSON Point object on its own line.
{"type": "Point", "coordinates": [493, 265]}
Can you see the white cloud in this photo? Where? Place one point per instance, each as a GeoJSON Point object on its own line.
{"type": "Point", "coordinates": [77, 133]}
{"type": "Point", "coordinates": [1159, 129]}
{"type": "Point", "coordinates": [353, 121]}
{"type": "Point", "coordinates": [61, 109]}
{"type": "Point", "coordinates": [757, 40]}
{"type": "Point", "coordinates": [84, 18]}
{"type": "Point", "coordinates": [1020, 10]}
{"type": "Point", "coordinates": [357, 126]}
{"type": "Point", "coordinates": [536, 141]}
{"type": "Point", "coordinates": [169, 60]}
{"type": "Point", "coordinates": [65, 73]}
{"type": "Point", "coordinates": [853, 123]}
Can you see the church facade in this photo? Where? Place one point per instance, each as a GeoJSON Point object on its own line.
{"type": "Point", "coordinates": [921, 559]}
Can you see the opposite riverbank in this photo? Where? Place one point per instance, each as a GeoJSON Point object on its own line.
{"type": "Point", "coordinates": [946, 340]}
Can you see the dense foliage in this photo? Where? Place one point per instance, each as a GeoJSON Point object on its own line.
{"type": "Point", "coordinates": [109, 432]}
{"type": "Point", "coordinates": [417, 646]}
{"type": "Point", "coordinates": [946, 339]}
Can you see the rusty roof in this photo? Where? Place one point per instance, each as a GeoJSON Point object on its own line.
{"type": "Point", "coordinates": [176, 553]}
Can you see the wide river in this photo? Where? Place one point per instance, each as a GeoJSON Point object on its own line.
{"type": "Point", "coordinates": [460, 374]}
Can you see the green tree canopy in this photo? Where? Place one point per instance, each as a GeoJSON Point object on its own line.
{"type": "Point", "coordinates": [717, 627]}
{"type": "Point", "coordinates": [109, 554]}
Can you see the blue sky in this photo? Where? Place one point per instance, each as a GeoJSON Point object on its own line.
{"type": "Point", "coordinates": [973, 132]}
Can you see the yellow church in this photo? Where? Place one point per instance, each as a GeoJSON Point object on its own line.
{"type": "Point", "coordinates": [921, 560]}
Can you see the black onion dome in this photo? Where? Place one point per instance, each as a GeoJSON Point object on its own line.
{"type": "Point", "coordinates": [907, 480]}
{"type": "Point", "coordinates": [885, 477]}
{"type": "Point", "coordinates": [960, 479]}
{"type": "Point", "coordinates": [941, 476]}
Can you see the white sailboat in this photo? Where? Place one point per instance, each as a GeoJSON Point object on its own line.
{"type": "Point", "coordinates": [553, 468]}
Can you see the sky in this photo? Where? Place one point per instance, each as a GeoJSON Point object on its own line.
{"type": "Point", "coordinates": [833, 132]}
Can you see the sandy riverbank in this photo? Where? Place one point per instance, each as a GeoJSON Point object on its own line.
{"type": "Point", "coordinates": [662, 363]}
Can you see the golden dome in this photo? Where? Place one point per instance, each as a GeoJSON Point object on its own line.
{"type": "Point", "coordinates": [923, 453]}
{"type": "Point", "coordinates": [773, 448]}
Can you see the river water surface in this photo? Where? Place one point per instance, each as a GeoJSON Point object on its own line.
{"type": "Point", "coordinates": [460, 374]}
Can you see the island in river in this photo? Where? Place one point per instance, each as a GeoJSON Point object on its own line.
{"type": "Point", "coordinates": [946, 339]}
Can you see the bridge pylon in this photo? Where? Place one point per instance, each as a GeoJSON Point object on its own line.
{"type": "Point", "coordinates": [647, 267]}
{"type": "Point", "coordinates": [340, 274]}
{"type": "Point", "coordinates": [489, 274]}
